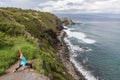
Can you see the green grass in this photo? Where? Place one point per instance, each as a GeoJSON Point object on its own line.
{"type": "Point", "coordinates": [8, 54]}
{"type": "Point", "coordinates": [15, 24]}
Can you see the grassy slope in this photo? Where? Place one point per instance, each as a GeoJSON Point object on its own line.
{"type": "Point", "coordinates": [15, 26]}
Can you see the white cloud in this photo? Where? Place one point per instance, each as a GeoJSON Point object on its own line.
{"type": "Point", "coordinates": [25, 4]}
{"type": "Point", "coordinates": [81, 6]}
{"type": "Point", "coordinates": [66, 6]}
{"type": "Point", "coordinates": [2, 4]}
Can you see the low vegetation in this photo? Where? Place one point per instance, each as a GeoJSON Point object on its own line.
{"type": "Point", "coordinates": [35, 32]}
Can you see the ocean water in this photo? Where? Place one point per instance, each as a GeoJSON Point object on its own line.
{"type": "Point", "coordinates": [95, 48]}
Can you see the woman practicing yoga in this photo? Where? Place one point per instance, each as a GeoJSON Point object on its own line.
{"type": "Point", "coordinates": [22, 61]}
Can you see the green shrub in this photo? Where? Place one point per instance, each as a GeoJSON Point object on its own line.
{"type": "Point", "coordinates": [57, 76]}
{"type": "Point", "coordinates": [5, 40]}
{"type": "Point", "coordinates": [2, 71]}
{"type": "Point", "coordinates": [13, 29]}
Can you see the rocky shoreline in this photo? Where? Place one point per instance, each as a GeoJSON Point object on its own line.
{"type": "Point", "coordinates": [65, 58]}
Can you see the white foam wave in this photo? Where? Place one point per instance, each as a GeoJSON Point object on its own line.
{"type": "Point", "coordinates": [79, 35]}
{"type": "Point", "coordinates": [86, 74]}
{"type": "Point", "coordinates": [70, 46]}
{"type": "Point", "coordinates": [72, 29]}
{"type": "Point", "coordinates": [65, 27]}
{"type": "Point", "coordinates": [89, 41]}
{"type": "Point", "coordinates": [74, 48]}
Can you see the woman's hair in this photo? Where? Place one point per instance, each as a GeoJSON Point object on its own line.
{"type": "Point", "coordinates": [18, 55]}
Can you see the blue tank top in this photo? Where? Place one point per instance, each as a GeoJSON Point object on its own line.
{"type": "Point", "coordinates": [22, 61]}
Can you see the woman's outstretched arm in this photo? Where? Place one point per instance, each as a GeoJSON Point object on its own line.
{"type": "Point", "coordinates": [20, 51]}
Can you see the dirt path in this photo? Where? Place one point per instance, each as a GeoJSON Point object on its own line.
{"type": "Point", "coordinates": [22, 75]}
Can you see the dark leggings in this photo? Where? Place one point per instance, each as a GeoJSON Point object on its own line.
{"type": "Point", "coordinates": [27, 64]}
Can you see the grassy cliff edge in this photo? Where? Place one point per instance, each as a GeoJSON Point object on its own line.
{"type": "Point", "coordinates": [36, 33]}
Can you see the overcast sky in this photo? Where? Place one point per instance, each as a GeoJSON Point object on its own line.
{"type": "Point", "coordinates": [66, 6]}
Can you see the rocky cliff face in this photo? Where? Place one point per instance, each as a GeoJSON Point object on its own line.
{"type": "Point", "coordinates": [66, 21]}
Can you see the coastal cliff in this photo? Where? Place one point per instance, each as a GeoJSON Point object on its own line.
{"type": "Point", "coordinates": [37, 35]}
{"type": "Point", "coordinates": [66, 21]}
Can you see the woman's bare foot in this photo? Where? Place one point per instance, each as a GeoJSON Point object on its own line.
{"type": "Point", "coordinates": [14, 71]}
{"type": "Point", "coordinates": [31, 70]}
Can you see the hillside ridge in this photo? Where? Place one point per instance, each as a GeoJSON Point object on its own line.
{"type": "Point", "coordinates": [36, 33]}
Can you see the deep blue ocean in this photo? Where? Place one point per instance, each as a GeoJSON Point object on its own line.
{"type": "Point", "coordinates": [95, 47]}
